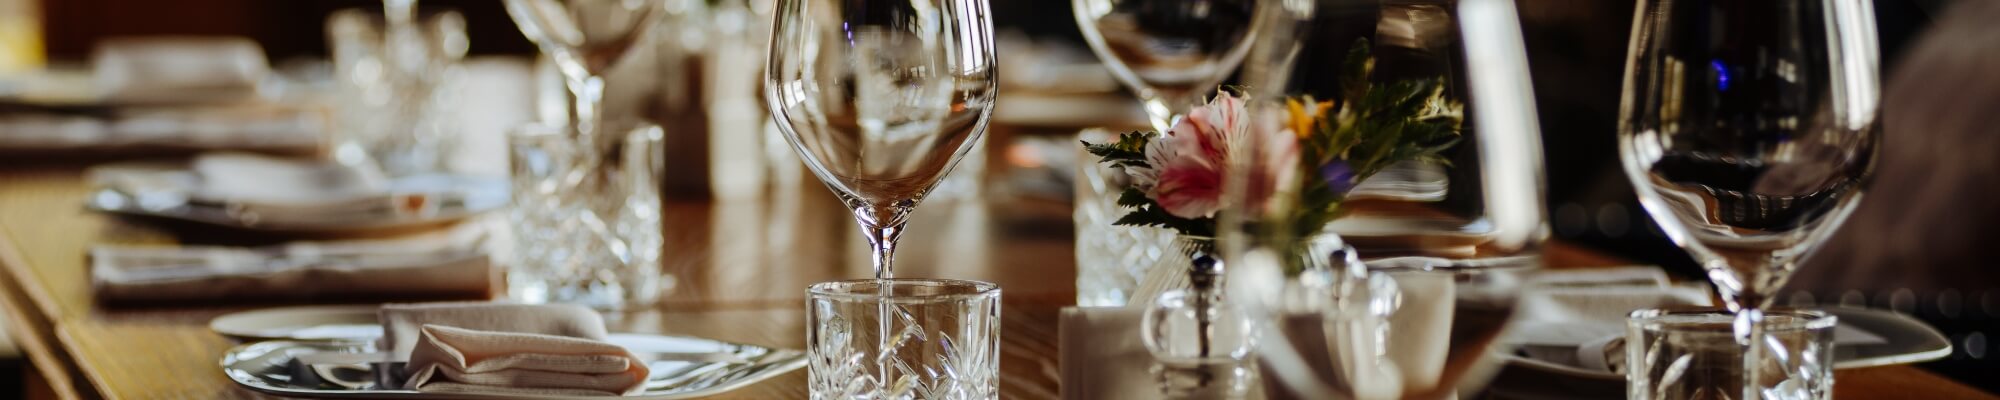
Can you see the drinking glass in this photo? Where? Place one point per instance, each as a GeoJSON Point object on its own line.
{"type": "Point", "coordinates": [1693, 354]}
{"type": "Point", "coordinates": [1171, 53]}
{"type": "Point", "coordinates": [1440, 244]}
{"type": "Point", "coordinates": [881, 99]}
{"type": "Point", "coordinates": [1748, 130]}
{"type": "Point", "coordinates": [945, 342]}
{"type": "Point", "coordinates": [1111, 260]}
{"type": "Point", "coordinates": [585, 38]}
{"type": "Point", "coordinates": [585, 232]}
{"type": "Point", "coordinates": [398, 86]}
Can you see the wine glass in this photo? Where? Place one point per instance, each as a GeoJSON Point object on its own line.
{"type": "Point", "coordinates": [1748, 130]}
{"type": "Point", "coordinates": [1440, 248]}
{"type": "Point", "coordinates": [585, 38]}
{"type": "Point", "coordinates": [1171, 53]}
{"type": "Point", "coordinates": [881, 99]}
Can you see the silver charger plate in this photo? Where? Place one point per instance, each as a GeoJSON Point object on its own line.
{"type": "Point", "coordinates": [425, 200]}
{"type": "Point", "coordinates": [268, 367]}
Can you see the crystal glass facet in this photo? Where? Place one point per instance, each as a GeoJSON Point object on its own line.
{"type": "Point", "coordinates": [398, 86]}
{"type": "Point", "coordinates": [585, 230]}
{"type": "Point", "coordinates": [942, 341]}
{"type": "Point", "coordinates": [1693, 354]}
{"type": "Point", "coordinates": [1111, 260]}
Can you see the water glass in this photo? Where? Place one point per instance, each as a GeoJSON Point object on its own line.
{"type": "Point", "coordinates": [1694, 354]}
{"type": "Point", "coordinates": [586, 225]}
{"type": "Point", "coordinates": [910, 339]}
{"type": "Point", "coordinates": [398, 89]}
{"type": "Point", "coordinates": [1110, 259]}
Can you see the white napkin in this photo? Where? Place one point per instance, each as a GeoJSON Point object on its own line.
{"type": "Point", "coordinates": [508, 348]}
{"type": "Point", "coordinates": [263, 127]}
{"type": "Point", "coordinates": [178, 69]}
{"type": "Point", "coordinates": [445, 263]}
{"type": "Point", "coordinates": [271, 191]}
{"type": "Point", "coordinates": [258, 179]}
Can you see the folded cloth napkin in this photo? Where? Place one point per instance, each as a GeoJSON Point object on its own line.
{"type": "Point", "coordinates": [262, 127]}
{"type": "Point", "coordinates": [178, 69]}
{"type": "Point", "coordinates": [258, 179]}
{"type": "Point", "coordinates": [451, 263]}
{"type": "Point", "coordinates": [1102, 355]}
{"type": "Point", "coordinates": [457, 360]}
{"type": "Point", "coordinates": [279, 192]}
{"type": "Point", "coordinates": [508, 348]}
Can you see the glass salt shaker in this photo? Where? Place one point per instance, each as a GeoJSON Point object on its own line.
{"type": "Point", "coordinates": [1201, 343]}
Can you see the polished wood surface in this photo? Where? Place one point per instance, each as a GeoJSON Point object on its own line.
{"type": "Point", "coordinates": [741, 267]}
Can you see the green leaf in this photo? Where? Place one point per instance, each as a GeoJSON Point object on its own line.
{"type": "Point", "coordinates": [1132, 197]}
{"type": "Point", "coordinates": [1128, 150]}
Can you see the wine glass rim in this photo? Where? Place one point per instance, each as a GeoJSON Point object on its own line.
{"type": "Point", "coordinates": [846, 290]}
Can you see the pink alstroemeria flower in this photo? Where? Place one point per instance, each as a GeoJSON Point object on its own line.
{"type": "Point", "coordinates": [1189, 161]}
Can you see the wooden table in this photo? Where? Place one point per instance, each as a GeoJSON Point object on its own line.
{"type": "Point", "coordinates": [741, 265]}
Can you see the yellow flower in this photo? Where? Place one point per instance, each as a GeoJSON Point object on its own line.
{"type": "Point", "coordinates": [1302, 119]}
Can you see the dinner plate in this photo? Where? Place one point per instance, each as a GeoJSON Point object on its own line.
{"type": "Point", "coordinates": [1419, 233]}
{"type": "Point", "coordinates": [356, 322]}
{"type": "Point", "coordinates": [270, 367]}
{"type": "Point", "coordinates": [1903, 341]}
{"type": "Point", "coordinates": [418, 201]}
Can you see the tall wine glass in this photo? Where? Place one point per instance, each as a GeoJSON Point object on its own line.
{"type": "Point", "coordinates": [1441, 246]}
{"type": "Point", "coordinates": [881, 99]}
{"type": "Point", "coordinates": [1171, 53]}
{"type": "Point", "coordinates": [1748, 129]}
{"type": "Point", "coordinates": [585, 37]}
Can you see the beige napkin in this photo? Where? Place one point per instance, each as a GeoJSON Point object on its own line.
{"type": "Point", "coordinates": [178, 69]}
{"type": "Point", "coordinates": [273, 191]}
{"type": "Point", "coordinates": [1102, 356]}
{"type": "Point", "coordinates": [508, 348]}
{"type": "Point", "coordinates": [450, 263]}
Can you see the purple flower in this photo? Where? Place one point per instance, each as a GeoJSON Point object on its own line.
{"type": "Point", "coordinates": [1339, 177]}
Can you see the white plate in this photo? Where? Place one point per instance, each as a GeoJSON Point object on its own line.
{"type": "Point", "coordinates": [300, 323]}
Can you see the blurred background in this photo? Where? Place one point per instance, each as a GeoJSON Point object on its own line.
{"type": "Point", "coordinates": [1577, 52]}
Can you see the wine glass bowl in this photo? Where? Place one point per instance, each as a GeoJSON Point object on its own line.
{"type": "Point", "coordinates": [1748, 131]}
{"type": "Point", "coordinates": [584, 36]}
{"type": "Point", "coordinates": [1169, 52]}
{"type": "Point", "coordinates": [1749, 142]}
{"type": "Point", "coordinates": [881, 99]}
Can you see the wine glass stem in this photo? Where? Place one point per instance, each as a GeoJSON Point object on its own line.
{"type": "Point", "coordinates": [1164, 110]}
{"type": "Point", "coordinates": [1750, 331]}
{"type": "Point", "coordinates": [882, 240]}
{"type": "Point", "coordinates": [589, 92]}
{"type": "Point", "coordinates": [399, 12]}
